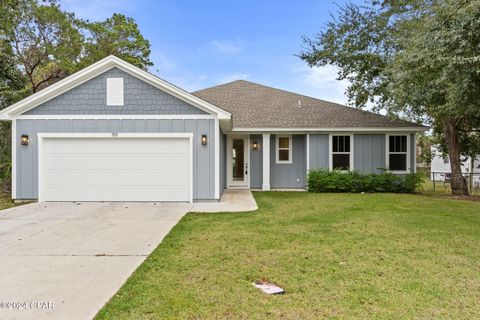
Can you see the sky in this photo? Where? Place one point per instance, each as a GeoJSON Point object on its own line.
{"type": "Point", "coordinates": [198, 44]}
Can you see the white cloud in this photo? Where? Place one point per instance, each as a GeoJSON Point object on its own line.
{"type": "Point", "coordinates": [233, 76]}
{"type": "Point", "coordinates": [225, 46]}
{"type": "Point", "coordinates": [161, 62]}
{"type": "Point", "coordinates": [321, 82]}
{"type": "Point", "coordinates": [187, 81]}
{"type": "Point", "coordinates": [222, 47]}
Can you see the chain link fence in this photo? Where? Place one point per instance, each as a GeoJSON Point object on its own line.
{"type": "Point", "coordinates": [440, 182]}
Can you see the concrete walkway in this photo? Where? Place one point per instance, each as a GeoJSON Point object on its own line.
{"type": "Point", "coordinates": [230, 201]}
{"type": "Point", "coordinates": [65, 260]}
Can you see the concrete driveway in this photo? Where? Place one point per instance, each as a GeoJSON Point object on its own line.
{"type": "Point", "coordinates": [65, 260]}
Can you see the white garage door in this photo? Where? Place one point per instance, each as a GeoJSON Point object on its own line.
{"type": "Point", "coordinates": [125, 168]}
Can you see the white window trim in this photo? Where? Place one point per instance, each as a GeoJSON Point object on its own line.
{"type": "Point", "coordinates": [387, 152]}
{"type": "Point", "coordinates": [277, 148]}
{"type": "Point", "coordinates": [330, 150]}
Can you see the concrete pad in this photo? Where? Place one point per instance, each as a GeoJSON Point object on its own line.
{"type": "Point", "coordinates": [75, 255]}
{"type": "Point", "coordinates": [232, 200]}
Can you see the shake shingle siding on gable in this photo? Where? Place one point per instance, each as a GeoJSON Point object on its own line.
{"type": "Point", "coordinates": [89, 98]}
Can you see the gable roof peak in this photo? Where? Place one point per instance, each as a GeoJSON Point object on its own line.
{"type": "Point", "coordinates": [98, 68]}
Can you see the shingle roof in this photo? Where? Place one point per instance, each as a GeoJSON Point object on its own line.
{"type": "Point", "coordinates": [257, 106]}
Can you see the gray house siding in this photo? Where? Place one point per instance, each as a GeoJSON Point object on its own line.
{"type": "Point", "coordinates": [256, 163]}
{"type": "Point", "coordinates": [413, 149]}
{"type": "Point", "coordinates": [203, 156]}
{"type": "Point", "coordinates": [89, 98]}
{"type": "Point", "coordinates": [223, 162]}
{"type": "Point", "coordinates": [289, 176]}
{"type": "Point", "coordinates": [319, 151]}
{"type": "Point", "coordinates": [369, 153]}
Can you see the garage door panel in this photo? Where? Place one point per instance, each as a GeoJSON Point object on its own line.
{"type": "Point", "coordinates": [108, 169]}
{"type": "Point", "coordinates": [144, 160]}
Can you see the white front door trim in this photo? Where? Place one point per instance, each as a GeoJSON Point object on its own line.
{"type": "Point", "coordinates": [114, 135]}
{"type": "Point", "coordinates": [246, 166]}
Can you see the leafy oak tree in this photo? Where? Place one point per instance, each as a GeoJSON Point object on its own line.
{"type": "Point", "coordinates": [416, 58]}
{"type": "Point", "coordinates": [45, 41]}
{"type": "Point", "coordinates": [118, 36]}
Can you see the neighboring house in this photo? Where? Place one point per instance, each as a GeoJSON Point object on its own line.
{"type": "Point", "coordinates": [113, 132]}
{"type": "Point", "coordinates": [440, 167]}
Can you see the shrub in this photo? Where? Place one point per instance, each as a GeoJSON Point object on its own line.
{"type": "Point", "coordinates": [354, 181]}
{"type": "Point", "coordinates": [5, 176]}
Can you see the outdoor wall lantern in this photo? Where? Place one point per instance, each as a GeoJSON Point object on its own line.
{"type": "Point", "coordinates": [204, 140]}
{"type": "Point", "coordinates": [24, 140]}
{"type": "Point", "coordinates": [255, 145]}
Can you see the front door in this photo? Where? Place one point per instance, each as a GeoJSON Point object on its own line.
{"type": "Point", "coordinates": [237, 149]}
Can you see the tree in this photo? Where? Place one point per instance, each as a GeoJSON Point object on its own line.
{"type": "Point", "coordinates": [45, 41]}
{"type": "Point", "coordinates": [416, 58]}
{"type": "Point", "coordinates": [48, 44]}
{"type": "Point", "coordinates": [119, 36]}
{"type": "Point", "coordinates": [424, 150]}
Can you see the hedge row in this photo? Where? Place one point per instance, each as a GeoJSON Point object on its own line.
{"type": "Point", "coordinates": [354, 181]}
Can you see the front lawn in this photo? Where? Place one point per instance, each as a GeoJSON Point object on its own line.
{"type": "Point", "coordinates": [337, 255]}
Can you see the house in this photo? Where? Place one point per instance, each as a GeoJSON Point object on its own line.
{"type": "Point", "coordinates": [440, 166]}
{"type": "Point", "coordinates": [113, 132]}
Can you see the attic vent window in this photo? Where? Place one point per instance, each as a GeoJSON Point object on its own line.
{"type": "Point", "coordinates": [114, 91]}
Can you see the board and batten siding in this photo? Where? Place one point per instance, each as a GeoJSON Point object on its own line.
{"type": "Point", "coordinates": [223, 162]}
{"type": "Point", "coordinates": [369, 153]}
{"type": "Point", "coordinates": [289, 175]}
{"type": "Point", "coordinates": [319, 151]}
{"type": "Point", "coordinates": [203, 156]}
{"type": "Point", "coordinates": [256, 162]}
{"type": "Point", "coordinates": [90, 98]}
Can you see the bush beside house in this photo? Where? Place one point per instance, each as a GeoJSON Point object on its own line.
{"type": "Point", "coordinates": [354, 181]}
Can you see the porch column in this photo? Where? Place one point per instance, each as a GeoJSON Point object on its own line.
{"type": "Point", "coordinates": [266, 162]}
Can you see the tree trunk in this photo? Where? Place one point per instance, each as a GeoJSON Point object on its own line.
{"type": "Point", "coordinates": [452, 141]}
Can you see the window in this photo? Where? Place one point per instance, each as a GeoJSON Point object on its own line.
{"type": "Point", "coordinates": [114, 91]}
{"type": "Point", "coordinates": [341, 155]}
{"type": "Point", "coordinates": [284, 149]}
{"type": "Point", "coordinates": [397, 153]}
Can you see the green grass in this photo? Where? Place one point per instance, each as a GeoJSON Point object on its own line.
{"type": "Point", "coordinates": [442, 189]}
{"type": "Point", "coordinates": [337, 255]}
{"type": "Point", "coordinates": [5, 201]}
